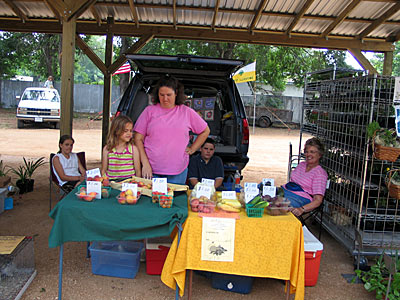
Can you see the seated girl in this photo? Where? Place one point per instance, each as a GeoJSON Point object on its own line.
{"type": "Point", "coordinates": [66, 165]}
{"type": "Point", "coordinates": [307, 185]}
{"type": "Point", "coordinates": [120, 157]}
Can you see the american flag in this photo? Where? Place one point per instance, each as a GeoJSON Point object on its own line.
{"type": "Point", "coordinates": [125, 68]}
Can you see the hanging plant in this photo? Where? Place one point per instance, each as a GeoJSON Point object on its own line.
{"type": "Point", "coordinates": [385, 144]}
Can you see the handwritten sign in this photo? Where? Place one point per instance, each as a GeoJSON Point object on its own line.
{"type": "Point", "coordinates": [94, 186]}
{"type": "Point", "coordinates": [209, 182]}
{"type": "Point", "coordinates": [268, 181]}
{"type": "Point", "coordinates": [160, 185]}
{"type": "Point", "coordinates": [250, 185]}
{"type": "Point", "coordinates": [93, 173]}
{"type": "Point", "coordinates": [130, 186]}
{"type": "Point", "coordinates": [250, 196]}
{"type": "Point", "coordinates": [269, 190]}
{"type": "Point", "coordinates": [228, 195]}
{"type": "Point", "coordinates": [204, 190]}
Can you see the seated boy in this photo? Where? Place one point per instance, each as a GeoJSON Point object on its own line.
{"type": "Point", "coordinates": [206, 165]}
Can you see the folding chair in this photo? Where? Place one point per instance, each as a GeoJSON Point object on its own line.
{"type": "Point", "coordinates": [294, 160]}
{"type": "Point", "coordinates": [53, 177]}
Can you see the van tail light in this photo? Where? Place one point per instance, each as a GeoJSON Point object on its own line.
{"type": "Point", "coordinates": [245, 132]}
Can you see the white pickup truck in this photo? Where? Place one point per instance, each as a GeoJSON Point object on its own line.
{"type": "Point", "coordinates": [38, 105]}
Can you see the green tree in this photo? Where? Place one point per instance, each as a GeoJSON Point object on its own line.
{"type": "Point", "coordinates": [377, 61]}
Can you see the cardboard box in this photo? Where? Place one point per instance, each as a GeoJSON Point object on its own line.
{"type": "Point", "coordinates": [313, 249]}
{"type": "Point", "coordinates": [116, 258]}
{"type": "Point", "coordinates": [232, 283]}
{"type": "Point", "coordinates": [156, 253]}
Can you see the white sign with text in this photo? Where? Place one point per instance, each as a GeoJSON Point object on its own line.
{"type": "Point", "coordinates": [94, 186]}
{"type": "Point", "coordinates": [93, 173]}
{"type": "Point", "coordinates": [228, 195]}
{"type": "Point", "coordinates": [269, 190]}
{"type": "Point", "coordinates": [204, 190]}
{"type": "Point", "coordinates": [209, 182]}
{"type": "Point", "coordinates": [160, 185]}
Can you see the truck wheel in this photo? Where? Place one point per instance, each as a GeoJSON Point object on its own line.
{"type": "Point", "coordinates": [20, 124]}
{"type": "Point", "coordinates": [264, 122]}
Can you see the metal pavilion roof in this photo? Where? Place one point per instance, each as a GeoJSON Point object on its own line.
{"type": "Point", "coordinates": [338, 24]}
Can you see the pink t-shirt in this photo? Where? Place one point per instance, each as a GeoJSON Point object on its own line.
{"type": "Point", "coordinates": [166, 136]}
{"type": "Point", "coordinates": [313, 182]}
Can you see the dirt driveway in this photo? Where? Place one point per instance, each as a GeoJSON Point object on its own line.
{"type": "Point", "coordinates": [268, 158]}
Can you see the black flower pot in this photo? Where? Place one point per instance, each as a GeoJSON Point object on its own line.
{"type": "Point", "coordinates": [25, 186]}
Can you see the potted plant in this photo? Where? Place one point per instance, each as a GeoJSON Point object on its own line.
{"type": "Point", "coordinates": [25, 182]}
{"type": "Point", "coordinates": [4, 178]}
{"type": "Point", "coordinates": [377, 279]}
{"type": "Point", "coordinates": [385, 143]}
{"type": "Point", "coordinates": [392, 181]}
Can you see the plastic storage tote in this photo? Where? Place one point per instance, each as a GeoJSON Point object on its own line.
{"type": "Point", "coordinates": [116, 258]}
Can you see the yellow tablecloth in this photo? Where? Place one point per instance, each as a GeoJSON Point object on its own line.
{"type": "Point", "coordinates": [271, 246]}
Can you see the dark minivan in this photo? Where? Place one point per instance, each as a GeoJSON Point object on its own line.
{"type": "Point", "coordinates": [209, 89]}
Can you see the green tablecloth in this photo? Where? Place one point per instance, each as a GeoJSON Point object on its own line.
{"type": "Point", "coordinates": [76, 220]}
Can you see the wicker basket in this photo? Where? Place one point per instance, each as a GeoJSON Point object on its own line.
{"type": "Point", "coordinates": [383, 152]}
{"type": "Point", "coordinates": [394, 189]}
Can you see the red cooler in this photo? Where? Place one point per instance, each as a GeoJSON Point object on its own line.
{"type": "Point", "coordinates": [313, 249]}
{"type": "Point", "coordinates": [156, 253]}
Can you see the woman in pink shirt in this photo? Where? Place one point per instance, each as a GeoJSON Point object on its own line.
{"type": "Point", "coordinates": [307, 185]}
{"type": "Point", "coordinates": [162, 133]}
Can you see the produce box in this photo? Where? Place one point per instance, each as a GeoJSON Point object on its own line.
{"type": "Point", "coordinates": [278, 208]}
{"type": "Point", "coordinates": [3, 194]}
{"type": "Point", "coordinates": [156, 253]}
{"type": "Point", "coordinates": [145, 185]}
{"type": "Point", "coordinates": [313, 249]}
{"type": "Point", "coordinates": [116, 258]}
{"type": "Point", "coordinates": [232, 283]}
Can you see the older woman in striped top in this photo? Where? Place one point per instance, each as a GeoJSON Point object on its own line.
{"type": "Point", "coordinates": [307, 185]}
{"type": "Point", "coordinates": [120, 157]}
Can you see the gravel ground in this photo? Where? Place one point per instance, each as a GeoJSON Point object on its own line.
{"type": "Point", "coordinates": [268, 158]}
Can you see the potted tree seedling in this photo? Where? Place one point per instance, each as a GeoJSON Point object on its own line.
{"type": "Point", "coordinates": [25, 172]}
{"type": "Point", "coordinates": [385, 143]}
{"type": "Point", "coordinates": [377, 279]}
{"type": "Point", "coordinates": [4, 178]}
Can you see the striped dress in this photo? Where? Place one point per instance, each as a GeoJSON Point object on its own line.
{"type": "Point", "coordinates": [121, 164]}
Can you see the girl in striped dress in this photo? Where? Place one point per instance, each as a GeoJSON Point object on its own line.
{"type": "Point", "coordinates": [120, 157]}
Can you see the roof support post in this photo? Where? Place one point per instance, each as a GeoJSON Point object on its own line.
{"type": "Point", "coordinates": [388, 63]}
{"type": "Point", "coordinates": [107, 84]}
{"type": "Point", "coordinates": [363, 61]}
{"type": "Point", "coordinates": [67, 76]}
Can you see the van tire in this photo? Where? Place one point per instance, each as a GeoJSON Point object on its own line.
{"type": "Point", "coordinates": [264, 122]}
{"type": "Point", "coordinates": [20, 124]}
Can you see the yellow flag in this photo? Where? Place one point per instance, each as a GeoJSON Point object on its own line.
{"type": "Point", "coordinates": [247, 73]}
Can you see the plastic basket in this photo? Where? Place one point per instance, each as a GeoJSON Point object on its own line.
{"type": "Point", "coordinates": [254, 212]}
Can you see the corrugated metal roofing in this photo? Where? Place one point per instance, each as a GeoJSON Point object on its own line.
{"type": "Point", "coordinates": [261, 16]}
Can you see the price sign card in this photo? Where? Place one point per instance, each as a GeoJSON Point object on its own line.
{"type": "Point", "coordinates": [250, 196]}
{"type": "Point", "coordinates": [268, 181]}
{"type": "Point", "coordinates": [204, 190]}
{"type": "Point", "coordinates": [228, 195]}
{"type": "Point", "coordinates": [94, 186]}
{"type": "Point", "coordinates": [209, 182]}
{"type": "Point", "coordinates": [251, 187]}
{"type": "Point", "coordinates": [93, 173]}
{"type": "Point", "coordinates": [160, 185]}
{"type": "Point", "coordinates": [130, 186]}
{"type": "Point", "coordinates": [269, 190]}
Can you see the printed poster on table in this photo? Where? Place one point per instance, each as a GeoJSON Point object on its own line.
{"type": "Point", "coordinates": [218, 239]}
